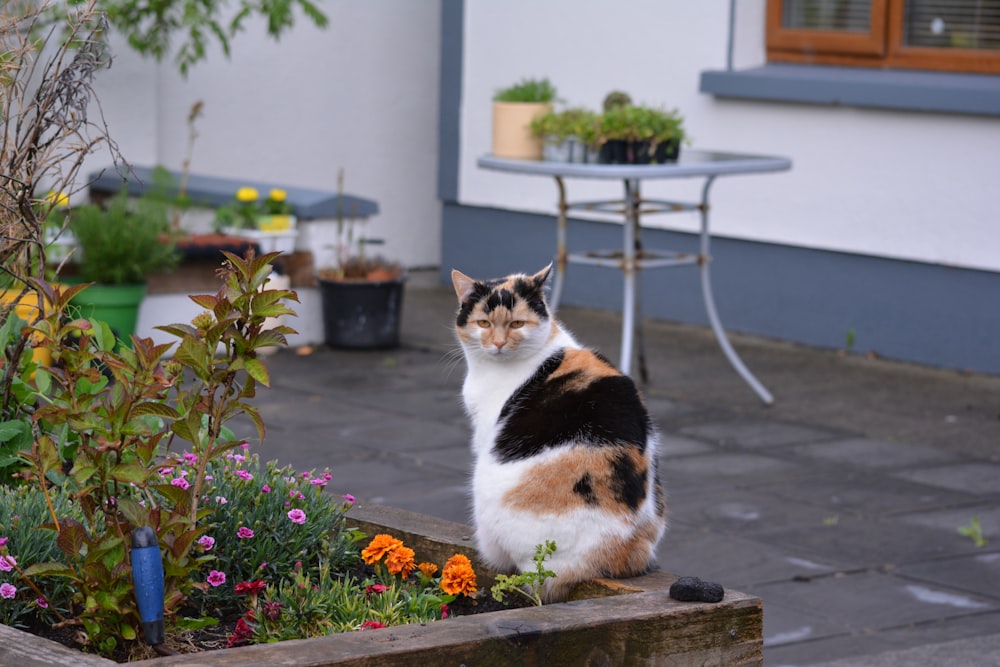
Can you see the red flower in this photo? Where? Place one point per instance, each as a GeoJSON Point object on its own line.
{"type": "Point", "coordinates": [372, 625]}
{"type": "Point", "coordinates": [376, 588]}
{"type": "Point", "coordinates": [251, 587]}
{"type": "Point", "coordinates": [243, 631]}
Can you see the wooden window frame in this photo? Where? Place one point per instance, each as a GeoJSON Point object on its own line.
{"type": "Point", "coordinates": [881, 47]}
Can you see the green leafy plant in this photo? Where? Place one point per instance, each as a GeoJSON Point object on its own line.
{"type": "Point", "coordinates": [99, 437]}
{"type": "Point", "coordinates": [974, 531]}
{"type": "Point", "coordinates": [125, 241]}
{"type": "Point", "coordinates": [322, 602]}
{"type": "Point", "coordinates": [187, 28]}
{"type": "Point", "coordinates": [269, 522]}
{"type": "Point", "coordinates": [559, 125]}
{"type": "Point", "coordinates": [616, 99]}
{"type": "Point", "coordinates": [527, 90]}
{"type": "Point", "coordinates": [528, 584]}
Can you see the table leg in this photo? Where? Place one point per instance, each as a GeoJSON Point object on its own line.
{"type": "Point", "coordinates": [713, 316]}
{"type": "Point", "coordinates": [561, 253]}
{"type": "Point", "coordinates": [640, 342]}
{"type": "Point", "coordinates": [628, 276]}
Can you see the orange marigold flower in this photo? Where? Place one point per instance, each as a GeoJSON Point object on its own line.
{"type": "Point", "coordinates": [428, 569]}
{"type": "Point", "coordinates": [458, 576]}
{"type": "Point", "coordinates": [378, 547]}
{"type": "Point", "coordinates": [400, 561]}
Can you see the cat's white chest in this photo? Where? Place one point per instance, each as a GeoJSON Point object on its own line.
{"type": "Point", "coordinates": [485, 392]}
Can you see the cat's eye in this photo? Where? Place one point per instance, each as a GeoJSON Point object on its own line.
{"type": "Point", "coordinates": [517, 324]}
{"type": "Point", "coordinates": [485, 324]}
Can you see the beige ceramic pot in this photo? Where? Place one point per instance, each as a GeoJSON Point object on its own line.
{"type": "Point", "coordinates": [512, 136]}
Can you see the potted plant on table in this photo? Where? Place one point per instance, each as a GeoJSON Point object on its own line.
{"type": "Point", "coordinates": [513, 109]}
{"type": "Point", "coordinates": [632, 134]}
{"type": "Point", "coordinates": [566, 135]}
{"type": "Point", "coordinates": [118, 247]}
{"type": "Point", "coordinates": [269, 222]}
{"type": "Point", "coordinates": [362, 294]}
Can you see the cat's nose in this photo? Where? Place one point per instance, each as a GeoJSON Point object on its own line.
{"type": "Point", "coordinates": [499, 344]}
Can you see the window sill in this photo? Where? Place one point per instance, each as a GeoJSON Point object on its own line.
{"type": "Point", "coordinates": [877, 88]}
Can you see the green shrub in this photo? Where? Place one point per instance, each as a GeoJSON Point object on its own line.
{"type": "Point", "coordinates": [527, 90]}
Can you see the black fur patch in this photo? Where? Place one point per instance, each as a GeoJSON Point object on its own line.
{"type": "Point", "coordinates": [479, 291]}
{"type": "Point", "coordinates": [499, 298]}
{"type": "Point", "coordinates": [628, 483]}
{"type": "Point", "coordinates": [585, 489]}
{"type": "Point", "coordinates": [542, 413]}
{"type": "Point", "coordinates": [532, 294]}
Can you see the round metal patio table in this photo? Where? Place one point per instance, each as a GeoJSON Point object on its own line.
{"type": "Point", "coordinates": [632, 257]}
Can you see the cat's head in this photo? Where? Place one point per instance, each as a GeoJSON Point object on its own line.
{"type": "Point", "coordinates": [502, 318]}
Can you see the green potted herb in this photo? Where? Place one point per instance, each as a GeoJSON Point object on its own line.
{"type": "Point", "coordinates": [513, 109]}
{"type": "Point", "coordinates": [119, 245]}
{"type": "Point", "coordinates": [565, 134]}
{"type": "Point", "coordinates": [639, 135]}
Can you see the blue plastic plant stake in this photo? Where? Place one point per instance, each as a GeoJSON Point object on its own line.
{"type": "Point", "coordinates": [147, 578]}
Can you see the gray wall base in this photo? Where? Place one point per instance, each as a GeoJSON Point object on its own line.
{"type": "Point", "coordinates": [908, 311]}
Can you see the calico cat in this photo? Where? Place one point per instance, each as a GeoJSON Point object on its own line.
{"type": "Point", "coordinates": [564, 448]}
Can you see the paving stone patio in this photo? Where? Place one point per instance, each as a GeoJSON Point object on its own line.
{"type": "Point", "coordinates": [839, 506]}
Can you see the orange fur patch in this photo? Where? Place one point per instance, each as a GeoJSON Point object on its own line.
{"type": "Point", "coordinates": [551, 485]}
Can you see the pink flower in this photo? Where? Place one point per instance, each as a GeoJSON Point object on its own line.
{"type": "Point", "coordinates": [266, 488]}
{"type": "Point", "coordinates": [297, 516]}
{"type": "Point", "coordinates": [444, 611]}
{"type": "Point", "coordinates": [42, 603]}
{"type": "Point", "coordinates": [216, 578]}
{"type": "Point", "coordinates": [244, 533]}
{"type": "Point", "coordinates": [3, 541]}
{"type": "Point", "coordinates": [244, 475]}
{"type": "Point", "coordinates": [262, 565]}
{"type": "Point", "coordinates": [221, 500]}
{"type": "Point", "coordinates": [349, 498]}
{"type": "Point", "coordinates": [7, 563]}
{"type": "Point", "coordinates": [206, 542]}
{"type": "Point", "coordinates": [245, 446]}
{"type": "Point", "coordinates": [376, 588]}
{"type": "Point", "coordinates": [7, 591]}
{"type": "Point", "coordinates": [180, 482]}
{"type": "Point", "coordinates": [190, 459]}
{"type": "Point", "coordinates": [318, 481]}
{"type": "Point", "coordinates": [327, 476]}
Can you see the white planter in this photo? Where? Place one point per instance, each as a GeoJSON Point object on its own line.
{"type": "Point", "coordinates": [268, 241]}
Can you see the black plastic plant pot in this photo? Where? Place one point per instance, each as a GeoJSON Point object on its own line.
{"type": "Point", "coordinates": [617, 151]}
{"type": "Point", "coordinates": [361, 314]}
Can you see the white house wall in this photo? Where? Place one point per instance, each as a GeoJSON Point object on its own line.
{"type": "Point", "coordinates": [904, 185]}
{"type": "Point", "coordinates": [361, 95]}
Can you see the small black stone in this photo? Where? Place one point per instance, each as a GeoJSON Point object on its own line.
{"type": "Point", "coordinates": [693, 589]}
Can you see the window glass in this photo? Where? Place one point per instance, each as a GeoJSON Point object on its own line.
{"type": "Point", "coordinates": [952, 24]}
{"type": "Point", "coordinates": [842, 15]}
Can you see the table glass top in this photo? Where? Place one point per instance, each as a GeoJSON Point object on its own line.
{"type": "Point", "coordinates": [692, 162]}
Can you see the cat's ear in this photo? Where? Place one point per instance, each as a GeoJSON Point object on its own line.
{"type": "Point", "coordinates": [542, 276]}
{"type": "Point", "coordinates": [463, 285]}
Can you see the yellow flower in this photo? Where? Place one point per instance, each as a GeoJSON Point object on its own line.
{"type": "Point", "coordinates": [378, 547]}
{"type": "Point", "coordinates": [458, 576]}
{"type": "Point", "coordinates": [59, 199]}
{"type": "Point", "coordinates": [399, 560]}
{"type": "Point", "coordinates": [277, 194]}
{"type": "Point", "coordinates": [247, 194]}
{"type": "Point", "coordinates": [428, 569]}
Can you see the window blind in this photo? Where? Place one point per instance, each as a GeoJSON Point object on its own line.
{"type": "Point", "coordinates": [956, 24]}
{"type": "Point", "coordinates": [840, 15]}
